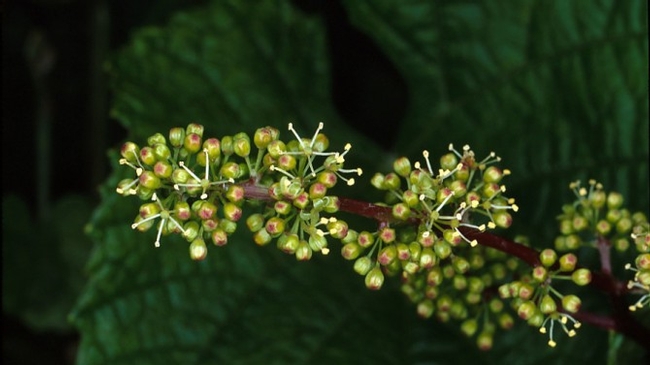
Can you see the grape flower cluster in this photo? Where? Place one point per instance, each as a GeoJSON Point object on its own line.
{"type": "Point", "coordinates": [428, 222]}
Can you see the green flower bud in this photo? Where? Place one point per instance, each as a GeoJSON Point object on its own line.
{"type": "Point", "coordinates": [581, 277]}
{"type": "Point", "coordinates": [227, 145]}
{"type": "Point", "coordinates": [572, 242]}
{"type": "Point", "coordinates": [182, 210]}
{"type": "Point", "coordinates": [195, 128]}
{"type": "Point", "coordinates": [276, 148]}
{"type": "Point", "coordinates": [130, 152]}
{"type": "Point", "coordinates": [579, 223]}
{"type": "Point", "coordinates": [176, 137]}
{"type": "Point", "coordinates": [571, 303]}
{"type": "Point", "coordinates": [624, 226]}
{"type": "Point", "coordinates": [241, 144]}
{"type": "Point", "coordinates": [643, 261]}
{"type": "Point", "coordinates": [460, 264]}
{"type": "Point", "coordinates": [275, 226]}
{"type": "Point", "coordinates": [485, 340]}
{"type": "Point", "coordinates": [459, 188]}
{"type": "Point", "coordinates": [362, 265]}
{"type": "Point", "coordinates": [448, 161]}
{"type": "Point", "coordinates": [425, 308]}
{"type": "Point", "coordinates": [264, 136]}
{"type": "Point", "coordinates": [614, 200]}
{"type": "Point", "coordinates": [255, 222]}
{"type": "Point", "coordinates": [442, 249]}
{"type": "Point", "coordinates": [147, 156]}
{"type": "Point", "coordinates": [192, 143]}
{"type": "Point", "coordinates": [402, 166]}
{"type": "Point", "coordinates": [391, 181]}
{"type": "Point", "coordinates": [262, 237]}
{"type": "Point", "coordinates": [161, 152]}
{"type": "Point", "coordinates": [387, 255]}
{"type": "Point", "coordinates": [350, 251]}
{"type": "Point", "coordinates": [149, 180]}
{"type": "Point", "coordinates": [230, 170]}
{"type": "Point", "coordinates": [191, 230]}
{"type": "Point", "coordinates": [568, 262]}
{"type": "Point", "coordinates": [288, 243]}
{"type": "Point", "coordinates": [492, 174]}
{"type": "Point", "coordinates": [163, 169]}
{"type": "Point", "coordinates": [219, 237]}
{"type": "Point", "coordinates": [566, 226]}
{"type": "Point", "coordinates": [603, 227]}
{"type": "Point", "coordinates": [377, 180]}
{"type": "Point", "coordinates": [469, 327]}
{"type": "Point", "coordinates": [527, 310]}
{"type": "Point", "coordinates": [317, 190]}
{"type": "Point", "coordinates": [303, 252]}
{"type": "Point", "coordinates": [198, 249]}
{"type": "Point", "coordinates": [548, 257]}
{"type": "Point", "coordinates": [210, 225]}
{"type": "Point", "coordinates": [428, 258]}
{"type": "Point", "coordinates": [156, 138]}
{"type": "Point", "coordinates": [401, 211]}
{"type": "Point", "coordinates": [540, 273]}
{"type": "Point", "coordinates": [374, 278]}
{"type": "Point", "coordinates": [317, 243]}
{"type": "Point", "coordinates": [547, 305]}
{"type": "Point", "coordinates": [338, 229]}
{"type": "Point", "coordinates": [502, 218]}
{"type": "Point", "coordinates": [180, 176]}
{"type": "Point", "coordinates": [459, 282]}
{"type": "Point", "coordinates": [365, 239]}
{"type": "Point", "coordinates": [490, 189]}
{"type": "Point", "coordinates": [232, 212]}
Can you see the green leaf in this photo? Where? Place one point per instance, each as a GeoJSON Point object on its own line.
{"type": "Point", "coordinates": [557, 88]}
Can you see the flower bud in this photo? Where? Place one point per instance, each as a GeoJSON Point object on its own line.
{"type": "Point", "coordinates": [374, 278]}
{"type": "Point", "coordinates": [350, 251]}
{"type": "Point", "coordinates": [176, 137]}
{"type": "Point", "coordinates": [192, 143]}
{"type": "Point", "coordinates": [275, 226]}
{"type": "Point", "coordinates": [571, 303]}
{"type": "Point", "coordinates": [568, 262]}
{"type": "Point", "coordinates": [548, 257]}
{"type": "Point", "coordinates": [264, 136]}
{"type": "Point", "coordinates": [149, 180]}
{"type": "Point", "coordinates": [262, 237]}
{"type": "Point", "coordinates": [130, 152]}
{"type": "Point", "coordinates": [288, 243]}
{"type": "Point", "coordinates": [402, 166]}
{"type": "Point", "coordinates": [195, 128]}
{"type": "Point", "coordinates": [147, 156]}
{"type": "Point", "coordinates": [241, 144]}
{"type": "Point", "coordinates": [581, 277]}
{"type": "Point", "coordinates": [362, 265]}
{"type": "Point", "coordinates": [219, 237]}
{"type": "Point", "coordinates": [303, 252]}
{"type": "Point", "coordinates": [547, 305]}
{"type": "Point", "coordinates": [198, 249]}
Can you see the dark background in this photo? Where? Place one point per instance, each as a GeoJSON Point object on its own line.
{"type": "Point", "coordinates": [56, 126]}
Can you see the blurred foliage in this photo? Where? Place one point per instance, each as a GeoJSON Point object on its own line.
{"type": "Point", "coordinates": [558, 89]}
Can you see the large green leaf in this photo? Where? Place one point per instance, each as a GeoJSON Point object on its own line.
{"type": "Point", "coordinates": [557, 88]}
